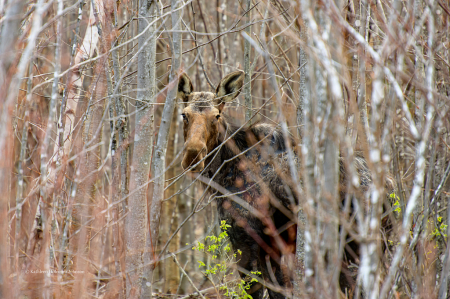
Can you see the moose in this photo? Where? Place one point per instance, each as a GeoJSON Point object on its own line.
{"type": "Point", "coordinates": [249, 163]}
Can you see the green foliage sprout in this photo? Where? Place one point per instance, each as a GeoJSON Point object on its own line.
{"type": "Point", "coordinates": [218, 248]}
{"type": "Point", "coordinates": [435, 232]}
{"type": "Point", "coordinates": [442, 228]}
{"type": "Point", "coordinates": [396, 204]}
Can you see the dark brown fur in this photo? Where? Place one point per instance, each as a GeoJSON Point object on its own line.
{"type": "Point", "coordinates": [251, 163]}
{"type": "Point", "coordinates": [246, 165]}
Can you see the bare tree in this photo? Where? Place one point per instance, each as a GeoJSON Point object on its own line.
{"type": "Point", "coordinates": [356, 94]}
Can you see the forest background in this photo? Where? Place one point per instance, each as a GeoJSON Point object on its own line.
{"type": "Point", "coordinates": [94, 202]}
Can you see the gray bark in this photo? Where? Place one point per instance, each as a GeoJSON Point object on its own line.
{"type": "Point", "coordinates": [9, 33]}
{"type": "Point", "coordinates": [62, 114]}
{"type": "Point", "coordinates": [159, 158]}
{"type": "Point", "coordinates": [137, 253]}
{"type": "Point", "coordinates": [247, 70]}
{"type": "Point", "coordinates": [444, 287]}
{"type": "Point", "coordinates": [328, 156]}
{"type": "Point", "coordinates": [361, 90]}
{"type": "Point", "coordinates": [418, 95]}
{"type": "Point", "coordinates": [304, 98]}
{"type": "Point", "coordinates": [75, 78]}
{"type": "Point", "coordinates": [308, 151]}
{"type": "Point", "coordinates": [368, 271]}
{"type": "Point", "coordinates": [320, 156]}
{"type": "Point", "coordinates": [119, 159]}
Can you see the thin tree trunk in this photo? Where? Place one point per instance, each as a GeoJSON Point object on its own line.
{"type": "Point", "coordinates": [63, 130]}
{"type": "Point", "coordinates": [137, 255]}
{"type": "Point", "coordinates": [9, 35]}
{"type": "Point", "coordinates": [247, 68]}
{"type": "Point", "coordinates": [88, 171]}
{"type": "Point", "coordinates": [119, 161]}
{"type": "Point", "coordinates": [46, 185]}
{"type": "Point", "coordinates": [20, 176]}
{"type": "Point", "coordinates": [327, 203]}
{"type": "Point", "coordinates": [170, 210]}
{"type": "Point", "coordinates": [87, 193]}
{"type": "Point", "coordinates": [418, 95]}
{"type": "Point", "coordinates": [304, 99]}
{"type": "Point", "coordinates": [187, 234]}
{"type": "Point", "coordinates": [159, 158]}
{"type": "Point", "coordinates": [369, 249]}
{"type": "Point", "coordinates": [361, 91]}
{"type": "Point", "coordinates": [308, 151]}
{"type": "Point", "coordinates": [75, 78]}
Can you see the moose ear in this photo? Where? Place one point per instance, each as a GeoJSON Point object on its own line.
{"type": "Point", "coordinates": [230, 87]}
{"type": "Point", "coordinates": [184, 87]}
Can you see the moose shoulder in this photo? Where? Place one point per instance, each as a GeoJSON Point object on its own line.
{"type": "Point", "coordinates": [250, 163]}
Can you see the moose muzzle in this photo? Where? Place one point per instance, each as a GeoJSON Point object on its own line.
{"type": "Point", "coordinates": [193, 154]}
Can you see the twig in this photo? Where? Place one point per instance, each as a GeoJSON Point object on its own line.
{"type": "Point", "coordinates": [187, 276]}
{"type": "Point", "coordinates": [213, 86]}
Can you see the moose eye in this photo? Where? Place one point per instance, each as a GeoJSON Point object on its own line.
{"type": "Point", "coordinates": [184, 117]}
{"type": "Point", "coordinates": [217, 116]}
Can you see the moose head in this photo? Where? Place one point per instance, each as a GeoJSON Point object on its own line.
{"type": "Point", "coordinates": [202, 117]}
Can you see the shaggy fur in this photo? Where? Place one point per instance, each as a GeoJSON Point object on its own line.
{"type": "Point", "coordinates": [255, 176]}
{"type": "Point", "coordinates": [251, 163]}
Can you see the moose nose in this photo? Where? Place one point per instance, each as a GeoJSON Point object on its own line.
{"type": "Point", "coordinates": [194, 154]}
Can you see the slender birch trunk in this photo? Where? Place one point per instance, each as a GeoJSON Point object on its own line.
{"type": "Point", "coordinates": [320, 159]}
{"type": "Point", "coordinates": [159, 157]}
{"type": "Point", "coordinates": [75, 78]}
{"type": "Point", "coordinates": [119, 158]}
{"type": "Point", "coordinates": [46, 190]}
{"type": "Point", "coordinates": [327, 158]}
{"type": "Point", "coordinates": [419, 97]}
{"type": "Point", "coordinates": [368, 270]}
{"type": "Point", "coordinates": [361, 90]}
{"type": "Point", "coordinates": [68, 111]}
{"type": "Point", "coordinates": [247, 68]}
{"type": "Point", "coordinates": [304, 99]}
{"type": "Point", "coordinates": [136, 223]}
{"type": "Point", "coordinates": [8, 36]}
{"type": "Point", "coordinates": [308, 156]}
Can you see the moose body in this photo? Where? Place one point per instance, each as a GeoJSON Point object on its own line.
{"type": "Point", "coordinates": [254, 176]}
{"type": "Point", "coordinates": [250, 164]}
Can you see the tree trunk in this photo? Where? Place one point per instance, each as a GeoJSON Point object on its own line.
{"type": "Point", "coordinates": [136, 223]}
{"type": "Point", "coordinates": [75, 78]}
{"type": "Point", "coordinates": [9, 35]}
{"type": "Point", "coordinates": [159, 158]}
{"type": "Point", "coordinates": [247, 70]}
{"type": "Point", "coordinates": [170, 210]}
{"type": "Point", "coordinates": [304, 100]}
